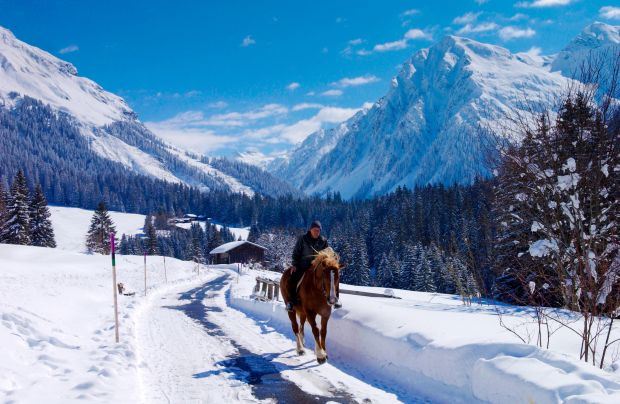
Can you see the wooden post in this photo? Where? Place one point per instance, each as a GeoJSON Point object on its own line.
{"type": "Point", "coordinates": [113, 253]}
{"type": "Point", "coordinates": [145, 273]}
{"type": "Point", "coordinates": [165, 273]}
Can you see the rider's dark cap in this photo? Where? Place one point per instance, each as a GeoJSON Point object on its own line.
{"type": "Point", "coordinates": [316, 224]}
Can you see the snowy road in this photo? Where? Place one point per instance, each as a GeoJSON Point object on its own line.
{"type": "Point", "coordinates": [194, 348]}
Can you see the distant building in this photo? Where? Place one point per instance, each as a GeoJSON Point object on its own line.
{"type": "Point", "coordinates": [238, 252]}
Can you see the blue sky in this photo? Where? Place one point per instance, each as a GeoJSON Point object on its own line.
{"type": "Point", "coordinates": [218, 77]}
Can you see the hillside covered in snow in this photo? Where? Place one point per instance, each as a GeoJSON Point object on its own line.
{"type": "Point", "coordinates": [110, 129]}
{"type": "Point", "coordinates": [203, 337]}
{"type": "Point", "coordinates": [439, 117]}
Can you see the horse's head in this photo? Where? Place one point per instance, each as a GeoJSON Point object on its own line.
{"type": "Point", "coordinates": [327, 267]}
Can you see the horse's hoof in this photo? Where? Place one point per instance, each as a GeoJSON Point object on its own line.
{"type": "Point", "coordinates": [326, 358]}
{"type": "Point", "coordinates": [301, 353]}
{"type": "Point", "coordinates": [321, 360]}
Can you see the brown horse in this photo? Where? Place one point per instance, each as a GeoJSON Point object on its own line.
{"type": "Point", "coordinates": [317, 293]}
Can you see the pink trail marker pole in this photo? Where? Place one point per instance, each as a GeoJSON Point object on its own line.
{"type": "Point", "coordinates": [113, 253]}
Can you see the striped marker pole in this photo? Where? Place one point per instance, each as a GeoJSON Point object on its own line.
{"type": "Point", "coordinates": [114, 292]}
{"type": "Point", "coordinates": [145, 273]}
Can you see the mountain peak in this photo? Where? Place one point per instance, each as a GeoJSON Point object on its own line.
{"type": "Point", "coordinates": [596, 38]}
{"type": "Point", "coordinates": [602, 32]}
{"type": "Point", "coordinates": [30, 71]}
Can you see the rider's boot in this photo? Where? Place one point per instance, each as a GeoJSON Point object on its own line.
{"type": "Point", "coordinates": [289, 306]}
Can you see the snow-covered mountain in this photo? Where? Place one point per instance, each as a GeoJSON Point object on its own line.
{"type": "Point", "coordinates": [111, 127]}
{"type": "Point", "coordinates": [435, 123]}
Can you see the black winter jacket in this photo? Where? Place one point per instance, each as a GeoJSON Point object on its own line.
{"type": "Point", "coordinates": [306, 249]}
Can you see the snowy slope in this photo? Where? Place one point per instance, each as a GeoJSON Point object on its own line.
{"type": "Point", "coordinates": [31, 71]}
{"type": "Point", "coordinates": [56, 324]}
{"type": "Point", "coordinates": [111, 127]}
{"type": "Point", "coordinates": [71, 225]}
{"type": "Point", "coordinates": [433, 125]}
{"type": "Point", "coordinates": [432, 345]}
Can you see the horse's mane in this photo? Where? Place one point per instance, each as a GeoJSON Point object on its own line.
{"type": "Point", "coordinates": [328, 257]}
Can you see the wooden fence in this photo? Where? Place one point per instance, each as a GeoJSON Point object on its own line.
{"type": "Point", "coordinates": [267, 289]}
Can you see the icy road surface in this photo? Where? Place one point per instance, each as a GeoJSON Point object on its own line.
{"type": "Point", "coordinates": [194, 348]}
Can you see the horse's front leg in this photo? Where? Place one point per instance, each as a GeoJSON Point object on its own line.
{"type": "Point", "coordinates": [293, 317]}
{"type": "Point", "coordinates": [324, 320]}
{"type": "Point", "coordinates": [320, 353]}
{"type": "Point", "coordinates": [302, 325]}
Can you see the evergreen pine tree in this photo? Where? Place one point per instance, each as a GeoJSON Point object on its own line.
{"type": "Point", "coordinates": [124, 247]}
{"type": "Point", "coordinates": [151, 236]}
{"type": "Point", "coordinates": [254, 233]}
{"type": "Point", "coordinates": [98, 236]}
{"type": "Point", "coordinates": [17, 223]}
{"type": "Point", "coordinates": [360, 270]}
{"type": "Point", "coordinates": [408, 267]}
{"type": "Point", "coordinates": [196, 253]}
{"type": "Point", "coordinates": [41, 230]}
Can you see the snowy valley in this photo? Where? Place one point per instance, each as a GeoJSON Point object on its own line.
{"type": "Point", "coordinates": [188, 338]}
{"type": "Point", "coordinates": [457, 240]}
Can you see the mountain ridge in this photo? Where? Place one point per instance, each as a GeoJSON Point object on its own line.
{"type": "Point", "coordinates": [435, 121]}
{"type": "Point", "coordinates": [112, 128]}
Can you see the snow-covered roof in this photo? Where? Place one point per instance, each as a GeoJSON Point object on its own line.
{"type": "Point", "coordinates": [232, 245]}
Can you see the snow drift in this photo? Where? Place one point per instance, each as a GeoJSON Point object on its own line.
{"type": "Point", "coordinates": [430, 344]}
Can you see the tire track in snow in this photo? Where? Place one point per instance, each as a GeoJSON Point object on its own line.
{"type": "Point", "coordinates": [193, 343]}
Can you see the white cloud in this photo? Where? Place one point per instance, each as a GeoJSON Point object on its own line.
{"type": "Point", "coordinates": [247, 41]}
{"type": "Point", "coordinates": [356, 81]}
{"type": "Point", "coordinates": [306, 105]}
{"type": "Point", "coordinates": [415, 33]}
{"type": "Point", "coordinates": [293, 86]}
{"type": "Point", "coordinates": [518, 17]}
{"type": "Point", "coordinates": [192, 139]}
{"type": "Point", "coordinates": [69, 49]}
{"type": "Point", "coordinates": [192, 130]}
{"type": "Point", "coordinates": [217, 104]}
{"type": "Point", "coordinates": [473, 29]}
{"type": "Point", "coordinates": [351, 45]}
{"type": "Point", "coordinates": [266, 111]}
{"type": "Point", "coordinates": [610, 12]}
{"type": "Point", "coordinates": [299, 130]}
{"type": "Point", "coordinates": [508, 33]}
{"type": "Point", "coordinates": [534, 51]}
{"type": "Point", "coordinates": [543, 3]}
{"type": "Point", "coordinates": [332, 93]}
{"type": "Point", "coordinates": [411, 34]}
{"type": "Point", "coordinates": [198, 120]}
{"type": "Point", "coordinates": [410, 12]}
{"type": "Point", "coordinates": [466, 18]}
{"type": "Point", "coordinates": [390, 46]}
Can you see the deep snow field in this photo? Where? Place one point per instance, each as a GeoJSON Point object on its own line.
{"type": "Point", "coordinates": [201, 338]}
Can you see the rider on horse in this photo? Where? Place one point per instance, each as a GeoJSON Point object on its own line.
{"type": "Point", "coordinates": [306, 249]}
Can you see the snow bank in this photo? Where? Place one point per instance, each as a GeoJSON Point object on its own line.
{"type": "Point", "coordinates": [429, 344]}
{"type": "Point", "coordinates": [56, 324]}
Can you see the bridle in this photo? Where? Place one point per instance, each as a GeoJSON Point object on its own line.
{"type": "Point", "coordinates": [323, 287]}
